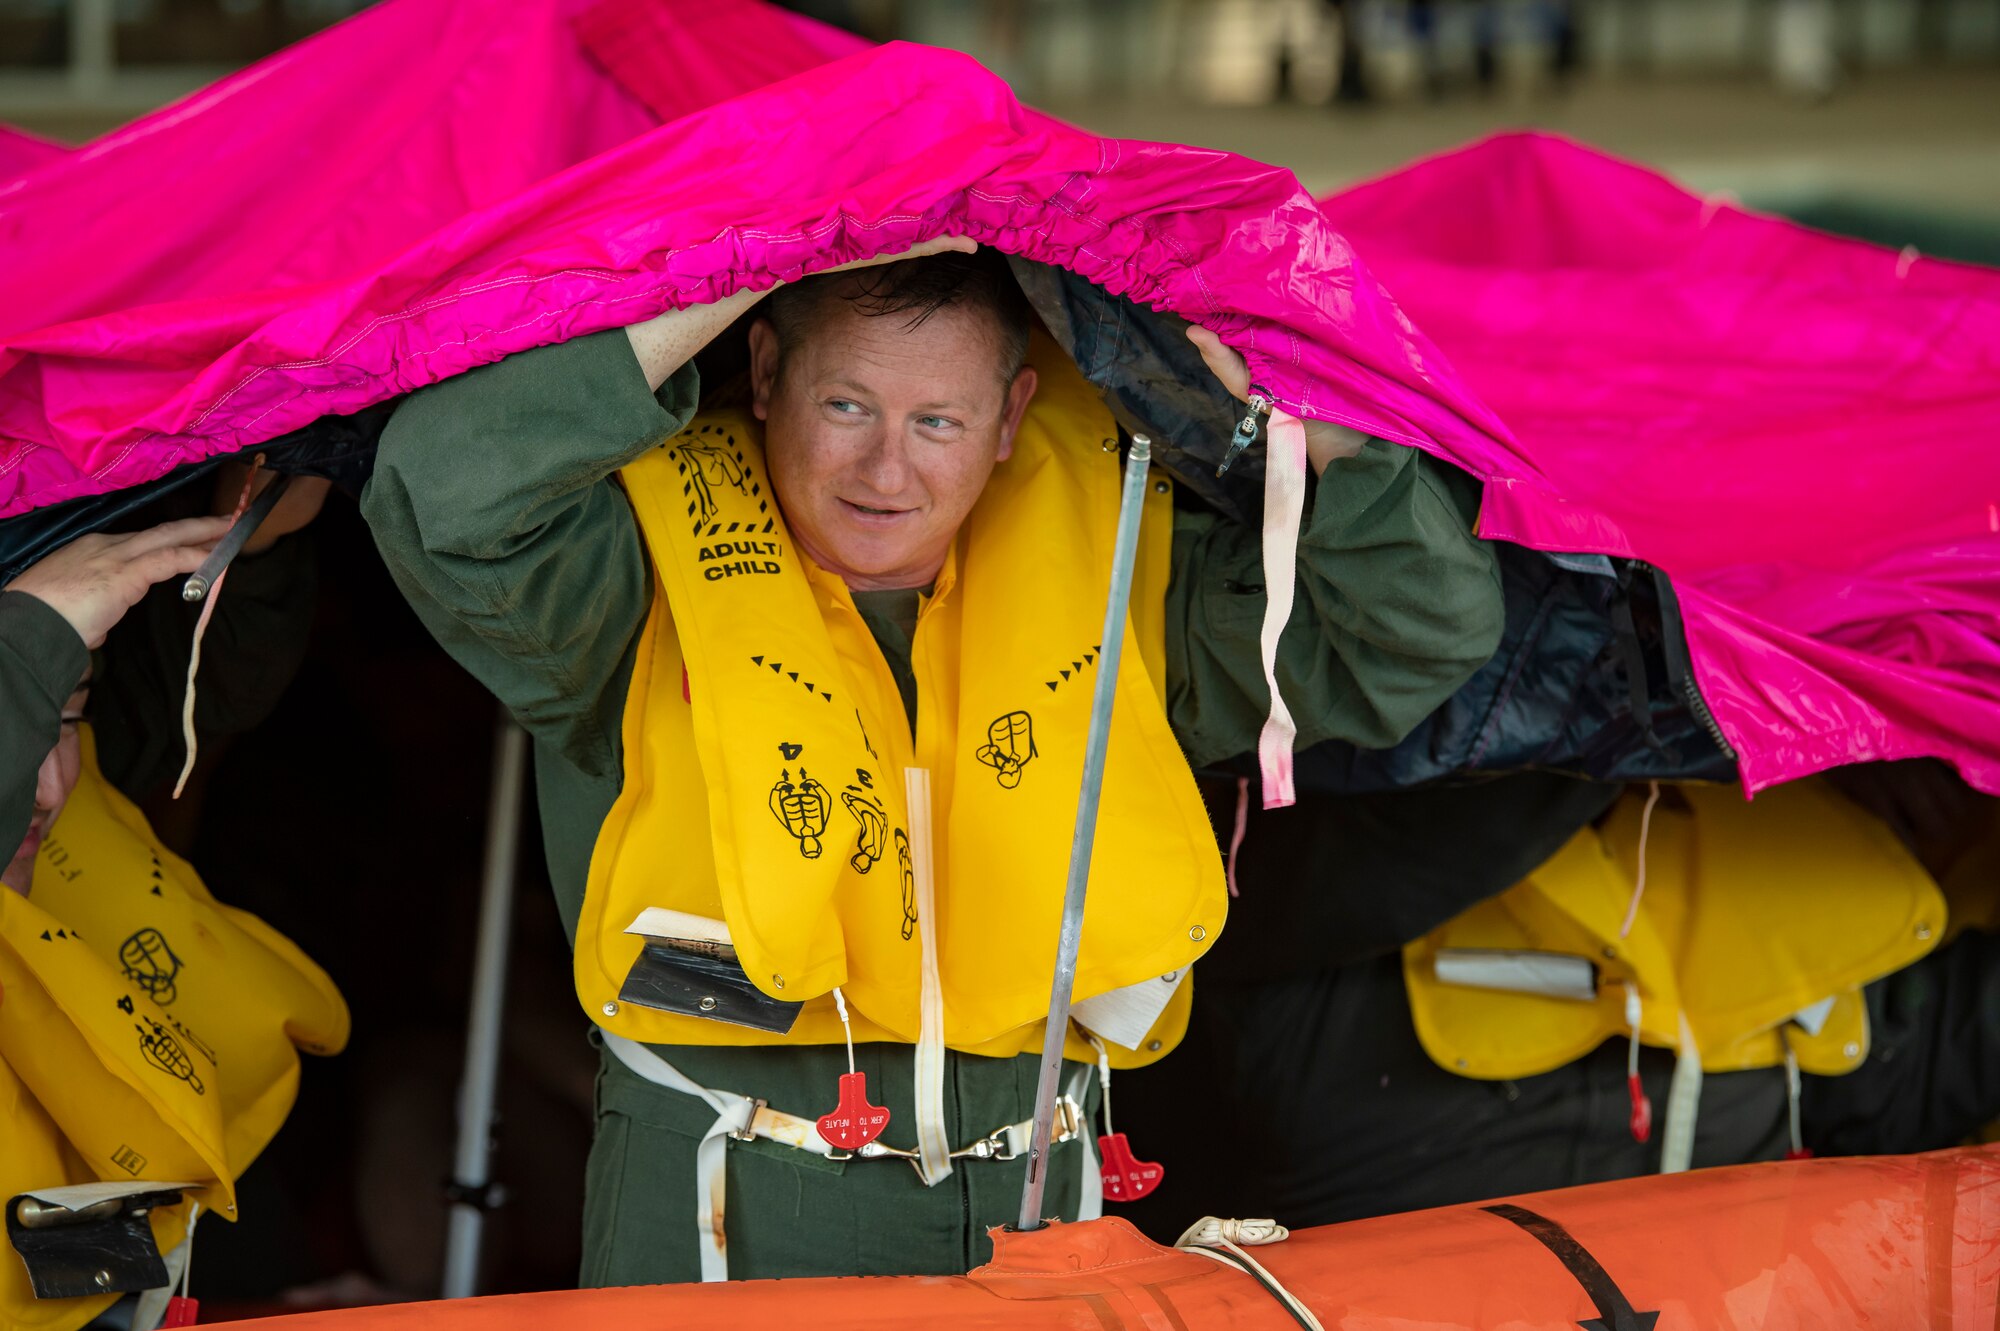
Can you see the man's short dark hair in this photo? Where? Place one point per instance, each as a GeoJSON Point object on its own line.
{"type": "Point", "coordinates": [918, 288]}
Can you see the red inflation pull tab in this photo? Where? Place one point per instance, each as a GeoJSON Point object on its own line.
{"type": "Point", "coordinates": [1799, 1153]}
{"type": "Point", "coordinates": [1126, 1179]}
{"type": "Point", "coordinates": [1642, 1110]}
{"type": "Point", "coordinates": [182, 1311]}
{"type": "Point", "coordinates": [854, 1122]}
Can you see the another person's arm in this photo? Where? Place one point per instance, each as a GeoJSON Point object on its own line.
{"type": "Point", "coordinates": [1398, 603]}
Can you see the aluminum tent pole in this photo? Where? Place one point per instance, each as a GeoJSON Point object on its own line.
{"type": "Point", "coordinates": [1124, 554]}
{"type": "Point", "coordinates": [471, 1188]}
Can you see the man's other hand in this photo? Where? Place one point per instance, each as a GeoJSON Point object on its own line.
{"type": "Point", "coordinates": [95, 579]}
{"type": "Point", "coordinates": [1325, 441]}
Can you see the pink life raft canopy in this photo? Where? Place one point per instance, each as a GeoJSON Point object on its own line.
{"type": "Point", "coordinates": [1742, 474]}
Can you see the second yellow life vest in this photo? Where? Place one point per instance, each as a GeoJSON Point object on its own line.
{"type": "Point", "coordinates": [766, 745]}
{"type": "Point", "coordinates": [1752, 913]}
{"type": "Point", "coordinates": [147, 1031]}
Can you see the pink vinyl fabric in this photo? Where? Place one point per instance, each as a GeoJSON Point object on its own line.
{"type": "Point", "coordinates": [1803, 431]}
{"type": "Point", "coordinates": [22, 152]}
{"type": "Point", "coordinates": [1788, 424]}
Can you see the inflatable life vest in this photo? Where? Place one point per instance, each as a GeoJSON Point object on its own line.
{"type": "Point", "coordinates": [766, 746]}
{"type": "Point", "coordinates": [147, 1031]}
{"type": "Point", "coordinates": [1754, 915]}
{"type": "Point", "coordinates": [1906, 1243]}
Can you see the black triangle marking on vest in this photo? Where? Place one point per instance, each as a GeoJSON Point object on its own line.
{"type": "Point", "coordinates": [715, 530]}
{"type": "Point", "coordinates": [156, 889]}
{"type": "Point", "coordinates": [810, 688]}
{"type": "Point", "coordinates": [62, 933]}
{"type": "Point", "coordinates": [794, 674]}
{"type": "Point", "coordinates": [776, 666]}
{"type": "Point", "coordinates": [46, 938]}
{"type": "Point", "coordinates": [827, 696]}
{"type": "Point", "coordinates": [1076, 666]}
{"type": "Point", "coordinates": [1063, 673]}
{"type": "Point", "coordinates": [756, 660]}
{"type": "Point", "coordinates": [1052, 686]}
{"type": "Point", "coordinates": [735, 525]}
{"type": "Point", "coordinates": [1091, 657]}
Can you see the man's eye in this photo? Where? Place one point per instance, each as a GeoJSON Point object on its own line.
{"type": "Point", "coordinates": [937, 422]}
{"type": "Point", "coordinates": [843, 406]}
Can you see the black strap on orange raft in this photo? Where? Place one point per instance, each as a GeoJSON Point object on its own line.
{"type": "Point", "coordinates": [1614, 1310]}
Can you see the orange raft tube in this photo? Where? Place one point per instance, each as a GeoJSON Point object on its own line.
{"type": "Point", "coordinates": [1889, 1242]}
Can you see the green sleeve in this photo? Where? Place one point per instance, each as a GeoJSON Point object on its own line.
{"type": "Point", "coordinates": [494, 505]}
{"type": "Point", "coordinates": [1397, 605]}
{"type": "Point", "coordinates": [41, 661]}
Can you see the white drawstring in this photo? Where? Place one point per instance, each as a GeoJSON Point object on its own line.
{"type": "Point", "coordinates": [840, 1006]}
{"type": "Point", "coordinates": [1103, 1078]}
{"type": "Point", "coordinates": [1639, 886]}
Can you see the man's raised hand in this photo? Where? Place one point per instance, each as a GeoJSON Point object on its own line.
{"type": "Point", "coordinates": [1325, 441]}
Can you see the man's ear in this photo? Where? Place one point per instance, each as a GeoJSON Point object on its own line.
{"type": "Point", "coordinates": [763, 366]}
{"type": "Point", "coordinates": [1019, 394]}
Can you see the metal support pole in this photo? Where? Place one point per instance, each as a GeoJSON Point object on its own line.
{"type": "Point", "coordinates": [1124, 554]}
{"type": "Point", "coordinates": [471, 1179]}
{"type": "Point", "coordinates": [92, 48]}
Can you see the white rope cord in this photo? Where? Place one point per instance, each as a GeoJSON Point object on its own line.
{"type": "Point", "coordinates": [1222, 1241]}
{"type": "Point", "coordinates": [1639, 885]}
{"type": "Point", "coordinates": [1103, 1078]}
{"type": "Point", "coordinates": [840, 1006]}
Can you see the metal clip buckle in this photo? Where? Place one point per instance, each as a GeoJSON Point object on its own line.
{"type": "Point", "coordinates": [882, 1151]}
{"type": "Point", "coordinates": [987, 1148]}
{"type": "Point", "coordinates": [748, 1132]}
{"type": "Point", "coordinates": [1246, 430]}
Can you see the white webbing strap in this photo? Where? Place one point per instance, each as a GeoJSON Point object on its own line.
{"type": "Point", "coordinates": [933, 1141]}
{"type": "Point", "coordinates": [1683, 1105]}
{"type": "Point", "coordinates": [735, 1116]}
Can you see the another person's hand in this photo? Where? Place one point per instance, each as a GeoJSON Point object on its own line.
{"type": "Point", "coordinates": [1325, 441]}
{"type": "Point", "coordinates": [299, 507]}
{"type": "Point", "coordinates": [95, 579]}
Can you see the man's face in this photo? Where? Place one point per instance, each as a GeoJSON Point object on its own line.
{"type": "Point", "coordinates": [880, 437]}
{"type": "Point", "coordinates": [53, 784]}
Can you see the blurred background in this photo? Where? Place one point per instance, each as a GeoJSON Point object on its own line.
{"type": "Point", "coordinates": [1837, 109]}
{"type": "Point", "coordinates": [1871, 117]}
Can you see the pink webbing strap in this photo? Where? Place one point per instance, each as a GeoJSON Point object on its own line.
{"type": "Point", "coordinates": [1284, 510]}
{"type": "Point", "coordinates": [1236, 834]}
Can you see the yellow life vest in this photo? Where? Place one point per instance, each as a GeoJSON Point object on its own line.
{"type": "Point", "coordinates": [1752, 913]}
{"type": "Point", "coordinates": [147, 1031]}
{"type": "Point", "coordinates": [766, 744]}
